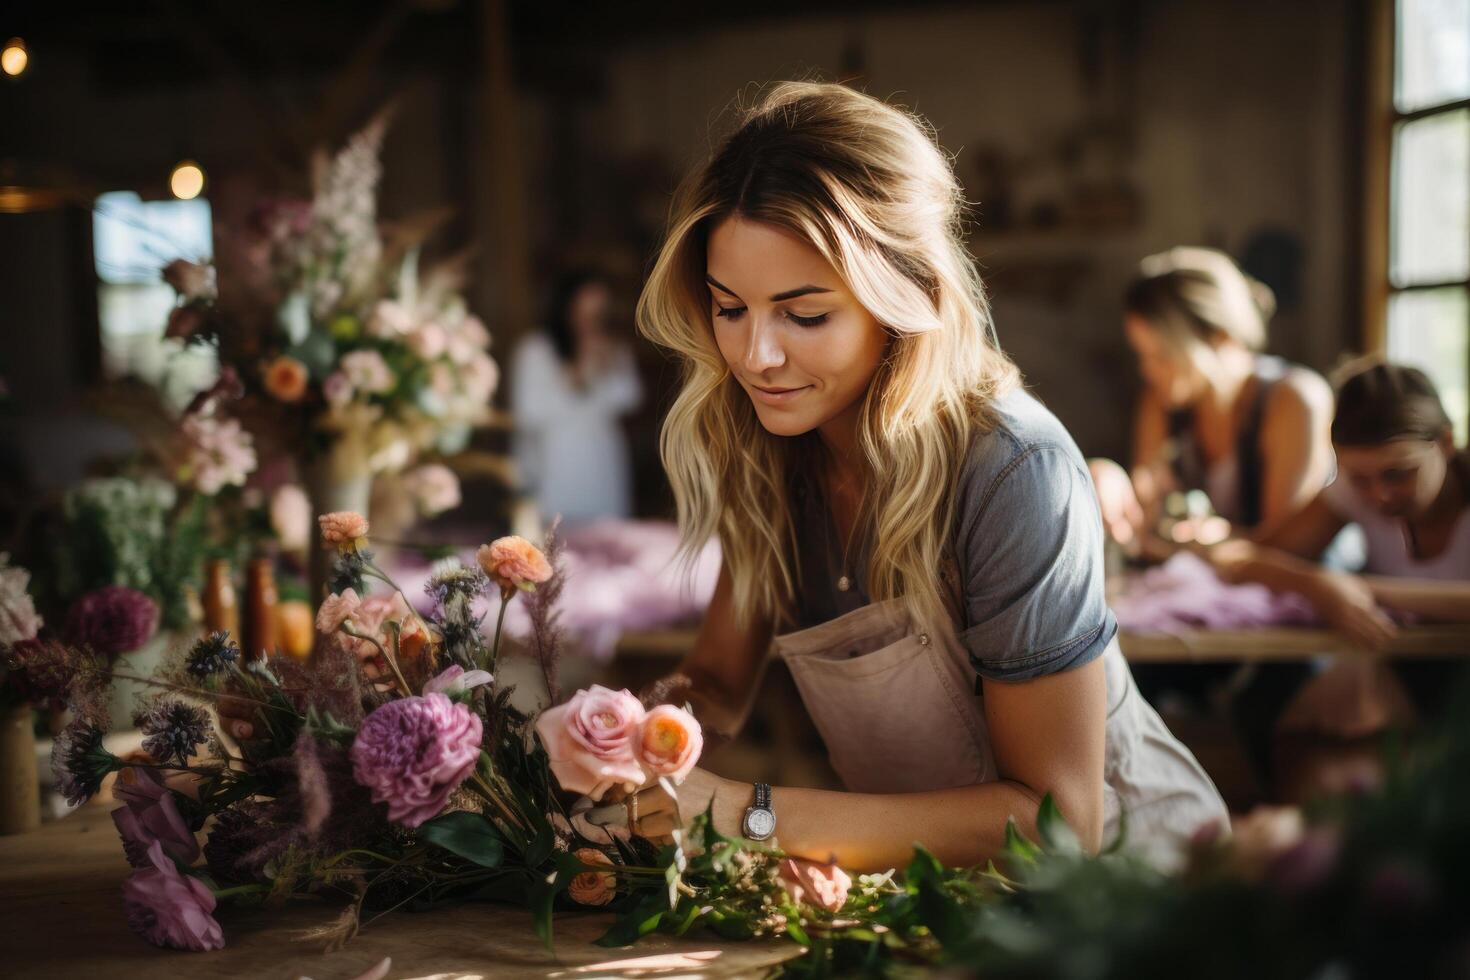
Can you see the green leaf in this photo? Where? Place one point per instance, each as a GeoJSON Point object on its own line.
{"type": "Point", "coordinates": [540, 847]}
{"type": "Point", "coordinates": [1056, 835]}
{"type": "Point", "coordinates": [468, 835]}
{"type": "Point", "coordinates": [637, 922]}
{"type": "Point", "coordinates": [796, 932]}
{"type": "Point", "coordinates": [942, 914]}
{"type": "Point", "coordinates": [544, 892]}
{"type": "Point", "coordinates": [923, 867]}
{"type": "Point", "coordinates": [1018, 846]}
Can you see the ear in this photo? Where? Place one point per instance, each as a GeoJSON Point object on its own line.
{"type": "Point", "coordinates": [1446, 443]}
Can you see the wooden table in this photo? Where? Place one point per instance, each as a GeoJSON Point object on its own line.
{"type": "Point", "coordinates": [61, 915]}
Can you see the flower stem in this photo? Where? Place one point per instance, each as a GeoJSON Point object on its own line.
{"type": "Point", "coordinates": [391, 660]}
{"type": "Point", "coordinates": [499, 626]}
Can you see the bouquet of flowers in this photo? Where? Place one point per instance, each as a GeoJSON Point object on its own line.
{"type": "Point", "coordinates": [343, 348]}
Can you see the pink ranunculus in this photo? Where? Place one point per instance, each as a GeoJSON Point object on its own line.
{"type": "Point", "coordinates": [343, 527]}
{"type": "Point", "coordinates": [670, 742]}
{"type": "Point", "coordinates": [592, 741]}
{"type": "Point", "coordinates": [434, 488]}
{"type": "Point", "coordinates": [168, 908]}
{"type": "Point", "coordinates": [455, 678]}
{"type": "Point", "coordinates": [592, 887]}
{"type": "Point", "coordinates": [413, 752]}
{"type": "Point", "coordinates": [513, 563]}
{"type": "Point", "coordinates": [150, 814]}
{"type": "Point", "coordinates": [336, 609]}
{"type": "Point", "coordinates": [822, 886]}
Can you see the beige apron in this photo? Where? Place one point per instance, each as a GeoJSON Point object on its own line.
{"type": "Point", "coordinates": [899, 710]}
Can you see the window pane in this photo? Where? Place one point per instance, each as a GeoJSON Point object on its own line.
{"type": "Point", "coordinates": [1431, 199]}
{"type": "Point", "coordinates": [1430, 329]}
{"type": "Point", "coordinates": [132, 239]}
{"type": "Point", "coordinates": [1433, 53]}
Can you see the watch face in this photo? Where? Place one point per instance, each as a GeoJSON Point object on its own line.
{"type": "Point", "coordinates": [760, 823]}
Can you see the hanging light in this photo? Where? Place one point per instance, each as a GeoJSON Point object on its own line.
{"type": "Point", "coordinates": [187, 180]}
{"type": "Point", "coordinates": [14, 57]}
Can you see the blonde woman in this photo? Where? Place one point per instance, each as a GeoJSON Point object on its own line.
{"type": "Point", "coordinates": [910, 531]}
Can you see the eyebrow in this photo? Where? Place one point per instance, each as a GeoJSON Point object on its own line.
{"type": "Point", "coordinates": [806, 290]}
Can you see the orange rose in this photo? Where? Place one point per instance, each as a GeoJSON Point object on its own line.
{"type": "Point", "coordinates": [346, 529]}
{"type": "Point", "coordinates": [514, 563]}
{"type": "Point", "coordinates": [285, 379]}
{"type": "Point", "coordinates": [592, 887]}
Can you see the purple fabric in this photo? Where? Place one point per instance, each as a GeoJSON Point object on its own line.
{"type": "Point", "coordinates": [621, 576]}
{"type": "Point", "coordinates": [1185, 593]}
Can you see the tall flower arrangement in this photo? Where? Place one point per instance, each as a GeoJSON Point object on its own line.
{"type": "Point", "coordinates": [353, 362]}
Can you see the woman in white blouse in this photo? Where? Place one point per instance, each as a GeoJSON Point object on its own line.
{"type": "Point", "coordinates": [571, 385]}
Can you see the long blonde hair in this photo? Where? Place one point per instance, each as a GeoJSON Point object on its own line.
{"type": "Point", "coordinates": [866, 185]}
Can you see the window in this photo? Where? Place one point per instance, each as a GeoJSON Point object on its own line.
{"type": "Point", "coordinates": [132, 240]}
{"type": "Point", "coordinates": [1428, 260]}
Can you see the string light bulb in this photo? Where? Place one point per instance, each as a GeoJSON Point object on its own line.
{"type": "Point", "coordinates": [187, 180]}
{"type": "Point", "coordinates": [14, 57]}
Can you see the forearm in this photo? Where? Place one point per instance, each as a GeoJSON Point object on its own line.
{"type": "Point", "coordinates": [1240, 561]}
{"type": "Point", "coordinates": [963, 826]}
{"type": "Point", "coordinates": [1447, 602]}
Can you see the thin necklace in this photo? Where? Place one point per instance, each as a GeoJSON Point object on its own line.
{"type": "Point", "coordinates": [844, 580]}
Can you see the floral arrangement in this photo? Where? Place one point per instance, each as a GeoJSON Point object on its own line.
{"type": "Point", "coordinates": [340, 343]}
{"type": "Point", "coordinates": [394, 771]}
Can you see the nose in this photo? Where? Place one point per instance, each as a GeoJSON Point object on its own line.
{"type": "Point", "coordinates": [763, 350]}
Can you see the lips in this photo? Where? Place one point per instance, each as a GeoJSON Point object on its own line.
{"type": "Point", "coordinates": [776, 396]}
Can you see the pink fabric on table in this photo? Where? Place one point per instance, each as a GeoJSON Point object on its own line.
{"type": "Point", "coordinates": [1185, 593]}
{"type": "Point", "coordinates": [621, 576]}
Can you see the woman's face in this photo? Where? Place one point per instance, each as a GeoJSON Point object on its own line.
{"type": "Point", "coordinates": [587, 310]}
{"type": "Point", "coordinates": [795, 338]}
{"type": "Point", "coordinates": [1399, 479]}
{"type": "Point", "coordinates": [1169, 375]}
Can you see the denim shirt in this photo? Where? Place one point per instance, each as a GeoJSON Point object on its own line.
{"type": "Point", "coordinates": [1028, 541]}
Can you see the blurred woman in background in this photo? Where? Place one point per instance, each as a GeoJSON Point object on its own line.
{"type": "Point", "coordinates": [1219, 416]}
{"type": "Point", "coordinates": [1215, 414]}
{"type": "Point", "coordinates": [573, 383]}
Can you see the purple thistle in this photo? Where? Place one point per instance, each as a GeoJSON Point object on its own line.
{"type": "Point", "coordinates": [79, 761]}
{"type": "Point", "coordinates": [112, 620]}
{"type": "Point", "coordinates": [173, 729]}
{"type": "Point", "coordinates": [211, 655]}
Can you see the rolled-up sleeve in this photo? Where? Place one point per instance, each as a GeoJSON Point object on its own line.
{"type": "Point", "coordinates": [1031, 547]}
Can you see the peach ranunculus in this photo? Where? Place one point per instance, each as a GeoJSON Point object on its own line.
{"type": "Point", "coordinates": [670, 742]}
{"type": "Point", "coordinates": [286, 379]}
{"type": "Point", "coordinates": [514, 563]}
{"type": "Point", "coordinates": [346, 529]}
{"type": "Point", "coordinates": [592, 887]}
{"type": "Point", "coordinates": [336, 609]}
{"type": "Point", "coordinates": [822, 886]}
{"type": "Point", "coordinates": [592, 741]}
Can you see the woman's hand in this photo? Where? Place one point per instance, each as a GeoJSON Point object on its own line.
{"type": "Point", "coordinates": [654, 815]}
{"type": "Point", "coordinates": [1347, 603]}
{"type": "Point", "coordinates": [1122, 513]}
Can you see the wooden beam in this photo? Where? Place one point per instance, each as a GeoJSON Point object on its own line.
{"type": "Point", "coordinates": [1377, 157]}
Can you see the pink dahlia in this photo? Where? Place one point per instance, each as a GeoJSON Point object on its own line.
{"type": "Point", "coordinates": [413, 752]}
{"type": "Point", "coordinates": [112, 620]}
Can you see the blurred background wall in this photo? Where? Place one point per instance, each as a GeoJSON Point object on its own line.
{"type": "Point", "coordinates": [1087, 132]}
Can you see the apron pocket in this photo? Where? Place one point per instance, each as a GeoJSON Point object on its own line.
{"type": "Point", "coordinates": [893, 719]}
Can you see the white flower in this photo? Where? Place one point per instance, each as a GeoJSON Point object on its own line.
{"type": "Point", "coordinates": [367, 371]}
{"type": "Point", "coordinates": [217, 453]}
{"type": "Point", "coordinates": [290, 511]}
{"type": "Point", "coordinates": [18, 619]}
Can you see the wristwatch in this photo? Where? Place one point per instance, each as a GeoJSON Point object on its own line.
{"type": "Point", "coordinates": [760, 819]}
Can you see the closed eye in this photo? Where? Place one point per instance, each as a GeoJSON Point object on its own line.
{"type": "Point", "coordinates": [730, 312]}
{"type": "Point", "coordinates": [808, 321]}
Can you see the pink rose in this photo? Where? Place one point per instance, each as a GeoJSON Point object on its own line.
{"type": "Point", "coordinates": [822, 886]}
{"type": "Point", "coordinates": [413, 752]}
{"type": "Point", "coordinates": [344, 527]}
{"type": "Point", "coordinates": [168, 908]}
{"type": "Point", "coordinates": [670, 742]}
{"type": "Point", "coordinates": [336, 609]}
{"type": "Point", "coordinates": [150, 814]}
{"type": "Point", "coordinates": [592, 741]}
{"type": "Point", "coordinates": [592, 887]}
{"type": "Point", "coordinates": [513, 563]}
